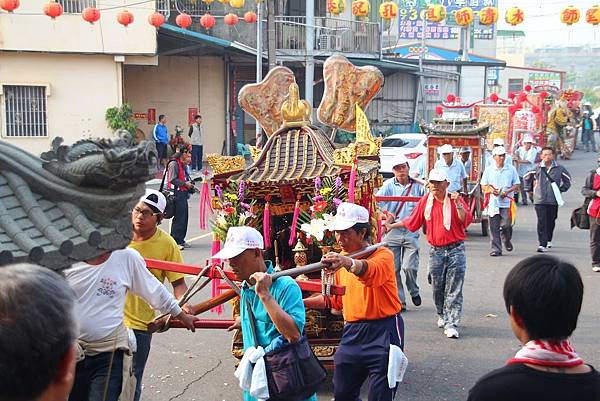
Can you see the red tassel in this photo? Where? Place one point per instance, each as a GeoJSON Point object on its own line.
{"type": "Point", "coordinates": [204, 202]}
{"type": "Point", "coordinates": [215, 282]}
{"type": "Point", "coordinates": [294, 224]}
{"type": "Point", "coordinates": [352, 183]}
{"type": "Point", "coordinates": [379, 228]}
{"type": "Point", "coordinates": [267, 224]}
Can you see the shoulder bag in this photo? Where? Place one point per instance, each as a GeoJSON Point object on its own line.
{"type": "Point", "coordinates": [293, 371]}
{"type": "Point", "coordinates": [579, 216]}
{"type": "Point", "coordinates": [169, 194]}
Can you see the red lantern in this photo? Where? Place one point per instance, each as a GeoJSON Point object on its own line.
{"type": "Point", "coordinates": [156, 19]}
{"type": "Point", "coordinates": [90, 14]}
{"type": "Point", "coordinates": [450, 98]}
{"type": "Point", "coordinates": [522, 97]}
{"type": "Point", "coordinates": [250, 17]}
{"type": "Point", "coordinates": [9, 5]}
{"type": "Point", "coordinates": [543, 95]}
{"type": "Point", "coordinates": [53, 9]}
{"type": "Point", "coordinates": [231, 19]}
{"type": "Point", "coordinates": [125, 18]}
{"type": "Point", "coordinates": [494, 97]}
{"type": "Point", "coordinates": [439, 110]}
{"type": "Point", "coordinates": [528, 88]}
{"type": "Point", "coordinates": [183, 20]}
{"type": "Point", "coordinates": [207, 21]}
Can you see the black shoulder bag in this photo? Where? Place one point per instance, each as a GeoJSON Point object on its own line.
{"type": "Point", "coordinates": [169, 194]}
{"type": "Point", "coordinates": [293, 371]}
{"type": "Point", "coordinates": [579, 216]}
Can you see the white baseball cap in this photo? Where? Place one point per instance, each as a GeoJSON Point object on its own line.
{"type": "Point", "coordinates": [399, 159]}
{"type": "Point", "coordinates": [154, 198]}
{"type": "Point", "coordinates": [437, 174]}
{"type": "Point", "coordinates": [447, 148]}
{"type": "Point", "coordinates": [465, 149]}
{"type": "Point", "coordinates": [348, 214]}
{"type": "Point", "coordinates": [239, 238]}
{"type": "Point", "coordinates": [498, 151]}
{"type": "Point", "coordinates": [498, 142]}
{"type": "Point", "coordinates": [528, 139]}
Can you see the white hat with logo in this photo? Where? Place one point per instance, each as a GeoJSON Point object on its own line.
{"type": "Point", "coordinates": [498, 151]}
{"type": "Point", "coordinates": [528, 139]}
{"type": "Point", "coordinates": [154, 198]}
{"type": "Point", "coordinates": [437, 175]}
{"type": "Point", "coordinates": [447, 148]}
{"type": "Point", "coordinates": [399, 160]}
{"type": "Point", "coordinates": [238, 240]}
{"type": "Point", "coordinates": [348, 214]}
{"type": "Point", "coordinates": [498, 142]}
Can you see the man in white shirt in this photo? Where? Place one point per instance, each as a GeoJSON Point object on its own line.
{"type": "Point", "coordinates": [454, 169]}
{"type": "Point", "coordinates": [100, 287]}
{"type": "Point", "coordinates": [525, 157]}
{"type": "Point", "coordinates": [489, 158]}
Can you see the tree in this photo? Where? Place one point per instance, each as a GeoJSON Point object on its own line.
{"type": "Point", "coordinates": [121, 118]}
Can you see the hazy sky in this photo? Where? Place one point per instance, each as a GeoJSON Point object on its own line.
{"type": "Point", "coordinates": [542, 24]}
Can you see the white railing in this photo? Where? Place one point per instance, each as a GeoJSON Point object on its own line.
{"type": "Point", "coordinates": [163, 7]}
{"type": "Point", "coordinates": [331, 35]}
{"type": "Point", "coordinates": [195, 8]}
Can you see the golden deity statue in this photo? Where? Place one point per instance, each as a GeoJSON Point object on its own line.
{"type": "Point", "coordinates": [295, 112]}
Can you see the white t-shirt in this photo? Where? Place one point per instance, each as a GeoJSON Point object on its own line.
{"type": "Point", "coordinates": [101, 291]}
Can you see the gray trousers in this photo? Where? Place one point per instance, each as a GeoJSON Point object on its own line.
{"type": "Point", "coordinates": [447, 265]}
{"type": "Point", "coordinates": [500, 229]}
{"type": "Point", "coordinates": [406, 259]}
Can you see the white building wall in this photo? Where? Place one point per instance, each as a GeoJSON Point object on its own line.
{"type": "Point", "coordinates": [79, 90]}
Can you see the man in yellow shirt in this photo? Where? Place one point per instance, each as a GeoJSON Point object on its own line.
{"type": "Point", "coordinates": [153, 243]}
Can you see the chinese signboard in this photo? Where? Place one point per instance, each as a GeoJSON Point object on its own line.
{"type": "Point", "coordinates": [542, 78]}
{"type": "Point", "coordinates": [432, 89]}
{"type": "Point", "coordinates": [411, 25]}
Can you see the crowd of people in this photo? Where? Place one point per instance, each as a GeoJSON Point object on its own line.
{"type": "Point", "coordinates": [101, 343]}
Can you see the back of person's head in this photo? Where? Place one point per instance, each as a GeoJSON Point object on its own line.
{"type": "Point", "coordinates": [37, 333]}
{"type": "Point", "coordinates": [546, 293]}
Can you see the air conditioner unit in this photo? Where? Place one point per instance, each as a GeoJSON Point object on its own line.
{"type": "Point", "coordinates": [330, 42]}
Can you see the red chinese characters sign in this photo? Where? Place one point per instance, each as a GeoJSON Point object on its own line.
{"type": "Point", "coordinates": [192, 112]}
{"type": "Point", "coordinates": [151, 116]}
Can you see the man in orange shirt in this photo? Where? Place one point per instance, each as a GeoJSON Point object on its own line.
{"type": "Point", "coordinates": [374, 330]}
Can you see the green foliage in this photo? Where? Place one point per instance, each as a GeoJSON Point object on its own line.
{"type": "Point", "coordinates": [121, 118]}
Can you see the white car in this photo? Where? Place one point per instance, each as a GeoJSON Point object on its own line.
{"type": "Point", "coordinates": [412, 145]}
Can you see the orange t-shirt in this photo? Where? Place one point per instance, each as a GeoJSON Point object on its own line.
{"type": "Point", "coordinates": [374, 295]}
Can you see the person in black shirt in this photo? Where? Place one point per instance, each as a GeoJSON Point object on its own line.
{"type": "Point", "coordinates": [543, 298]}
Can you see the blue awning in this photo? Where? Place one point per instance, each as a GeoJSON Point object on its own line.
{"type": "Point", "coordinates": [437, 55]}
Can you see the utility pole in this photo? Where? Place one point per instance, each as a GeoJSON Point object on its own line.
{"type": "Point", "coordinates": [258, 134]}
{"type": "Point", "coordinates": [272, 49]}
{"type": "Point", "coordinates": [309, 75]}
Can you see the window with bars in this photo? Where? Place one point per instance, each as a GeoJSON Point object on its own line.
{"type": "Point", "coordinates": [76, 6]}
{"type": "Point", "coordinates": [25, 111]}
{"type": "Point", "coordinates": [515, 85]}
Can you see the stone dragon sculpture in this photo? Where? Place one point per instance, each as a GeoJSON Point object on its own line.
{"type": "Point", "coordinates": [105, 163]}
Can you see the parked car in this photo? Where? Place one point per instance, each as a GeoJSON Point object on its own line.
{"type": "Point", "coordinates": [411, 145]}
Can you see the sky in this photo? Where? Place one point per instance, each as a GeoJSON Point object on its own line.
{"type": "Point", "coordinates": [542, 24]}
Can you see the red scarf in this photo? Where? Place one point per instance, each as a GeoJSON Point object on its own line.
{"type": "Point", "coordinates": [545, 353]}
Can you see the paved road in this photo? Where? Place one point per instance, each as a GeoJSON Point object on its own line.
{"type": "Point", "coordinates": [186, 366]}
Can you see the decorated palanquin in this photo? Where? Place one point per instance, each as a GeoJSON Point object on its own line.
{"type": "Point", "coordinates": [281, 180]}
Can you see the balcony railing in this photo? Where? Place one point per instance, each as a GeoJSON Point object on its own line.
{"type": "Point", "coordinates": [331, 35]}
{"type": "Point", "coordinates": [76, 6]}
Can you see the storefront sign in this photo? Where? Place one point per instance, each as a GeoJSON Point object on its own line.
{"type": "Point", "coordinates": [411, 25]}
{"type": "Point", "coordinates": [432, 89]}
{"type": "Point", "coordinates": [492, 76]}
{"type": "Point", "coordinates": [140, 116]}
{"type": "Point", "coordinates": [545, 79]}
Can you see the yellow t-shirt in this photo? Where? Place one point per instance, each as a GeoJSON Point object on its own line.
{"type": "Point", "coordinates": [137, 313]}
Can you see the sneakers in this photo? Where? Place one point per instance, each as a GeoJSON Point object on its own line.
{"type": "Point", "coordinates": [495, 253]}
{"type": "Point", "coordinates": [181, 247]}
{"type": "Point", "coordinates": [542, 249]}
{"type": "Point", "coordinates": [549, 245]}
{"type": "Point", "coordinates": [451, 332]}
{"type": "Point", "coordinates": [416, 300]}
{"type": "Point", "coordinates": [441, 323]}
{"type": "Point", "coordinates": [186, 245]}
{"type": "Point", "coordinates": [596, 269]}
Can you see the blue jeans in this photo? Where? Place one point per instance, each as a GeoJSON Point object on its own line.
{"type": "Point", "coordinates": [180, 220]}
{"type": "Point", "coordinates": [143, 339]}
{"type": "Point", "coordinates": [406, 259]}
{"type": "Point", "coordinates": [197, 157]}
{"type": "Point", "coordinates": [92, 378]}
{"type": "Point", "coordinates": [447, 265]}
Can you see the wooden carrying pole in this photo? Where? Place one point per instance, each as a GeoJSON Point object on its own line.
{"type": "Point", "coordinates": [313, 267]}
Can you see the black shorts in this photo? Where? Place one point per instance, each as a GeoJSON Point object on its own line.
{"type": "Point", "coordinates": [161, 148]}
